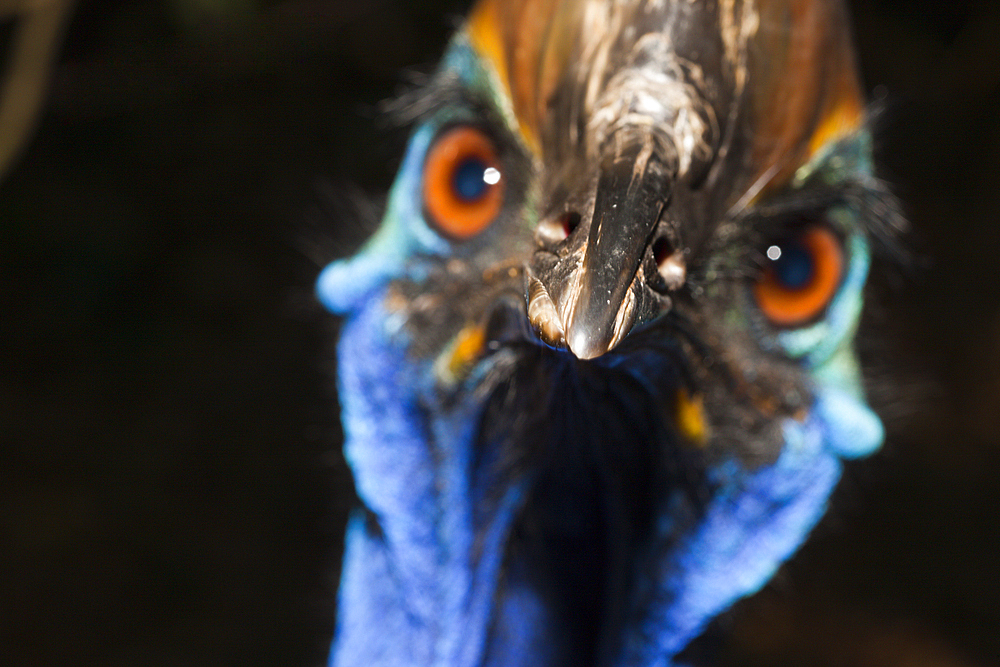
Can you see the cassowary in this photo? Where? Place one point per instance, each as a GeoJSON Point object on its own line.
{"type": "Point", "coordinates": [596, 369]}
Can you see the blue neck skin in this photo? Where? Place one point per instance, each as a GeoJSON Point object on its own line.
{"type": "Point", "coordinates": [415, 592]}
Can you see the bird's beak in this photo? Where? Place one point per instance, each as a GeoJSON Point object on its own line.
{"type": "Point", "coordinates": [595, 305]}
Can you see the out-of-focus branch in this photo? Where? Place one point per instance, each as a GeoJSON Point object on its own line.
{"type": "Point", "coordinates": [38, 29]}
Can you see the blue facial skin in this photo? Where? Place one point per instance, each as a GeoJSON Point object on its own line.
{"type": "Point", "coordinates": [418, 589]}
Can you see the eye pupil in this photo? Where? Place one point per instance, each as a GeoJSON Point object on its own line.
{"type": "Point", "coordinates": [793, 265]}
{"type": "Point", "coordinates": [469, 179]}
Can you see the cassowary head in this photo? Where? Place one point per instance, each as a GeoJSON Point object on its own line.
{"type": "Point", "coordinates": [596, 370]}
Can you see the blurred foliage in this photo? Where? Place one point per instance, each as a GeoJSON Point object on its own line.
{"type": "Point", "coordinates": [174, 492]}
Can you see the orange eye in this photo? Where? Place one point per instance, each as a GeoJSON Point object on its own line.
{"type": "Point", "coordinates": [463, 190]}
{"type": "Point", "coordinates": [801, 278]}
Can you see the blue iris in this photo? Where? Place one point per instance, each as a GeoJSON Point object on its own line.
{"type": "Point", "coordinates": [796, 266]}
{"type": "Point", "coordinates": [467, 179]}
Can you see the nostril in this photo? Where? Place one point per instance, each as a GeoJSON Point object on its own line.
{"type": "Point", "coordinates": [556, 229]}
{"type": "Point", "coordinates": [662, 250]}
{"type": "Point", "coordinates": [669, 263]}
{"type": "Point", "coordinates": [570, 221]}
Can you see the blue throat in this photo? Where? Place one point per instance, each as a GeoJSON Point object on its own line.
{"type": "Point", "coordinates": [448, 560]}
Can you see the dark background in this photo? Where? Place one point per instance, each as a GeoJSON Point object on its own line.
{"type": "Point", "coordinates": [172, 491]}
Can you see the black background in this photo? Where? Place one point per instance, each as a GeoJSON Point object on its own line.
{"type": "Point", "coordinates": [172, 491]}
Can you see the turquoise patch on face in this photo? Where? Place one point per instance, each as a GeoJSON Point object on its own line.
{"type": "Point", "coordinates": [852, 429]}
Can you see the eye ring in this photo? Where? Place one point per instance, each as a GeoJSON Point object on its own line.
{"type": "Point", "coordinates": [463, 184]}
{"type": "Point", "coordinates": [801, 278]}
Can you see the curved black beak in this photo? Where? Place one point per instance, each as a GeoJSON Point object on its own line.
{"type": "Point", "coordinates": [632, 189]}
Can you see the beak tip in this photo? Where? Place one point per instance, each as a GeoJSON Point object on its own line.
{"type": "Point", "coordinates": [583, 344]}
